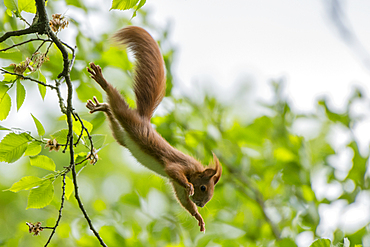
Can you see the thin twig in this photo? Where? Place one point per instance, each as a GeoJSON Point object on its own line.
{"type": "Point", "coordinates": [88, 135]}
{"type": "Point", "coordinates": [83, 209]}
{"type": "Point", "coordinates": [38, 48]}
{"type": "Point", "coordinates": [28, 78]}
{"type": "Point", "coordinates": [25, 42]}
{"type": "Point", "coordinates": [60, 210]}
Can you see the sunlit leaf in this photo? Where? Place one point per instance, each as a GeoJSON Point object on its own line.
{"type": "Point", "coordinates": [27, 6]}
{"type": "Point", "coordinates": [283, 154]}
{"type": "Point", "coordinates": [34, 148]}
{"type": "Point", "coordinates": [26, 183]}
{"type": "Point", "coordinates": [21, 94]}
{"type": "Point", "coordinates": [42, 88]}
{"type": "Point", "coordinates": [41, 196]}
{"type": "Point", "coordinates": [3, 128]}
{"type": "Point", "coordinates": [43, 162]}
{"type": "Point", "coordinates": [77, 127]}
{"type": "Point", "coordinates": [124, 4]}
{"type": "Point", "coordinates": [80, 158]}
{"type": "Point", "coordinates": [60, 136]}
{"type": "Point", "coordinates": [12, 6]}
{"type": "Point", "coordinates": [321, 243]}
{"type": "Point", "coordinates": [40, 128]}
{"type": "Point", "coordinates": [13, 146]}
{"type": "Point", "coordinates": [8, 78]}
{"type": "Point", "coordinates": [357, 173]}
{"type": "Point", "coordinates": [286, 242]}
{"type": "Point", "coordinates": [69, 187]}
{"type": "Point", "coordinates": [5, 102]}
{"type": "Point", "coordinates": [141, 4]}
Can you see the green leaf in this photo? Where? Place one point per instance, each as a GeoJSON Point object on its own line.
{"type": "Point", "coordinates": [3, 128]}
{"type": "Point", "coordinates": [8, 78]}
{"type": "Point", "coordinates": [333, 116]}
{"type": "Point", "coordinates": [85, 91]}
{"type": "Point", "coordinates": [359, 165]}
{"type": "Point", "coordinates": [12, 6]}
{"type": "Point", "coordinates": [43, 162]}
{"type": "Point", "coordinates": [26, 183]}
{"type": "Point", "coordinates": [286, 242]}
{"type": "Point", "coordinates": [98, 140]}
{"type": "Point", "coordinates": [80, 158]}
{"type": "Point", "coordinates": [124, 4]}
{"type": "Point", "coordinates": [69, 187]}
{"type": "Point", "coordinates": [117, 57]}
{"type": "Point", "coordinates": [141, 4]}
{"type": "Point", "coordinates": [42, 88]}
{"type": "Point", "coordinates": [41, 196]}
{"type": "Point", "coordinates": [21, 94]}
{"type": "Point", "coordinates": [12, 146]}
{"type": "Point", "coordinates": [77, 127]}
{"type": "Point", "coordinates": [5, 102]}
{"type": "Point", "coordinates": [283, 154]}
{"type": "Point", "coordinates": [40, 128]}
{"type": "Point", "coordinates": [27, 6]}
{"type": "Point", "coordinates": [321, 243]}
{"type": "Point", "coordinates": [76, 3]}
{"type": "Point", "coordinates": [34, 148]}
{"type": "Point", "coordinates": [60, 136]}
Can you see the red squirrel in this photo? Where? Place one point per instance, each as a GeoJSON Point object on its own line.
{"type": "Point", "coordinates": [192, 182]}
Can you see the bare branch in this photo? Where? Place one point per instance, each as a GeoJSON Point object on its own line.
{"type": "Point", "coordinates": [60, 210]}
{"type": "Point", "coordinates": [25, 42]}
{"type": "Point", "coordinates": [29, 30]}
{"type": "Point", "coordinates": [83, 209]}
{"type": "Point", "coordinates": [28, 78]}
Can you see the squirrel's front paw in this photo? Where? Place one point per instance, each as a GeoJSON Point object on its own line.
{"type": "Point", "coordinates": [96, 74]}
{"type": "Point", "coordinates": [200, 222]}
{"type": "Point", "coordinates": [97, 106]}
{"type": "Point", "coordinates": [190, 189]}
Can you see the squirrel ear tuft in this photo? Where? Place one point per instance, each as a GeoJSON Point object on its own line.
{"type": "Point", "coordinates": [213, 173]}
{"type": "Point", "coordinates": [218, 169]}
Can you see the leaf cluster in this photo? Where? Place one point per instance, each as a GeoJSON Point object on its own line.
{"type": "Point", "coordinates": [268, 193]}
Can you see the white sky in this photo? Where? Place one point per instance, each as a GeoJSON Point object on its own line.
{"type": "Point", "coordinates": [225, 41]}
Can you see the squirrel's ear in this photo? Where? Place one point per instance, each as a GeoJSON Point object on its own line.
{"type": "Point", "coordinates": [218, 169]}
{"type": "Point", "coordinates": [214, 172]}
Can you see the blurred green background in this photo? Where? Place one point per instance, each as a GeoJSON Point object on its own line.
{"type": "Point", "coordinates": [277, 186]}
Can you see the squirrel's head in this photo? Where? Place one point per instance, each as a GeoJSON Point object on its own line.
{"type": "Point", "coordinates": [204, 182]}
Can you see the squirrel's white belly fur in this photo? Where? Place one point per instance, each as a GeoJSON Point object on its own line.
{"type": "Point", "coordinates": [143, 158]}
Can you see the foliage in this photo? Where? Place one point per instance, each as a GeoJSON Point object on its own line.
{"type": "Point", "coordinates": [267, 195]}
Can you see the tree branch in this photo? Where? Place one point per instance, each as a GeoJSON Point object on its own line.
{"type": "Point", "coordinates": [41, 26]}
{"type": "Point", "coordinates": [25, 42]}
{"type": "Point", "coordinates": [82, 206]}
{"type": "Point", "coordinates": [60, 210]}
{"type": "Point", "coordinates": [32, 29]}
{"type": "Point", "coordinates": [28, 78]}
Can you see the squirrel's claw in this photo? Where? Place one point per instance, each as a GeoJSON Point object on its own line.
{"type": "Point", "coordinates": [190, 189]}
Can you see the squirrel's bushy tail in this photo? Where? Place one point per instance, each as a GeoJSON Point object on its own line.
{"type": "Point", "coordinates": [149, 80]}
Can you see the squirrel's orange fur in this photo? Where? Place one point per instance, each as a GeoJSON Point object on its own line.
{"type": "Point", "coordinates": [192, 182]}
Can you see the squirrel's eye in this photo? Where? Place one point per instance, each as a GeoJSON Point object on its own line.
{"type": "Point", "coordinates": [203, 188]}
